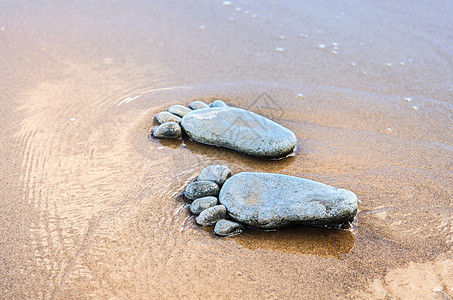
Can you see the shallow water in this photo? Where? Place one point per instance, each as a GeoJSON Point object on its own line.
{"type": "Point", "coordinates": [90, 206]}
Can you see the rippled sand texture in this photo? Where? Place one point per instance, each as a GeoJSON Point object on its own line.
{"type": "Point", "coordinates": [90, 206]}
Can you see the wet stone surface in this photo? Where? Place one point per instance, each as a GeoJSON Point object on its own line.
{"type": "Point", "coordinates": [277, 201]}
{"type": "Point", "coordinates": [201, 189]}
{"type": "Point", "coordinates": [211, 215]}
{"type": "Point", "coordinates": [227, 228]}
{"type": "Point", "coordinates": [165, 116]}
{"type": "Point", "coordinates": [179, 110]}
{"type": "Point", "coordinates": [198, 105]}
{"type": "Point", "coordinates": [200, 204]}
{"type": "Point", "coordinates": [218, 103]}
{"type": "Point", "coordinates": [169, 130]}
{"type": "Point", "coordinates": [216, 173]}
{"type": "Point", "coordinates": [240, 130]}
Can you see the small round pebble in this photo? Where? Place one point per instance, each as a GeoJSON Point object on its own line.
{"type": "Point", "coordinates": [216, 173]}
{"type": "Point", "coordinates": [169, 130]}
{"type": "Point", "coordinates": [218, 103]}
{"type": "Point", "coordinates": [200, 189]}
{"type": "Point", "coordinates": [227, 228]}
{"type": "Point", "coordinates": [200, 204]}
{"type": "Point", "coordinates": [211, 215]}
{"type": "Point", "coordinates": [179, 110]}
{"type": "Point", "coordinates": [165, 116]}
{"type": "Point", "coordinates": [198, 105]}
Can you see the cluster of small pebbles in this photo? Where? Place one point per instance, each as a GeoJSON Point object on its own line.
{"type": "Point", "coordinates": [204, 192]}
{"type": "Point", "coordinates": [170, 121]}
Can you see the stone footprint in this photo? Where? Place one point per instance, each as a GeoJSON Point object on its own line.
{"type": "Point", "coordinates": [234, 128]}
{"type": "Point", "coordinates": [230, 203]}
{"type": "Point", "coordinates": [257, 200]}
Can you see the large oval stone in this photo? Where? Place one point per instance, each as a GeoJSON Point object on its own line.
{"type": "Point", "coordinates": [240, 130]}
{"type": "Point", "coordinates": [265, 200]}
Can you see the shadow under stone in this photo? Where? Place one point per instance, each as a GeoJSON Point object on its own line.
{"type": "Point", "coordinates": [317, 241]}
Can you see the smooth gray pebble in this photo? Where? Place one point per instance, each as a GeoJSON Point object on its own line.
{"type": "Point", "coordinates": [216, 173]}
{"type": "Point", "coordinates": [179, 110]}
{"type": "Point", "coordinates": [169, 130]}
{"type": "Point", "coordinates": [198, 105]}
{"type": "Point", "coordinates": [200, 189]}
{"type": "Point", "coordinates": [211, 215]}
{"type": "Point", "coordinates": [200, 204]}
{"type": "Point", "coordinates": [227, 228]}
{"type": "Point", "coordinates": [218, 103]}
{"type": "Point", "coordinates": [165, 116]}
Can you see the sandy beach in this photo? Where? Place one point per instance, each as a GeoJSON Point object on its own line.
{"type": "Point", "coordinates": [91, 207]}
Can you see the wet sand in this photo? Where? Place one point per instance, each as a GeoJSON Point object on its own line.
{"type": "Point", "coordinates": [90, 207]}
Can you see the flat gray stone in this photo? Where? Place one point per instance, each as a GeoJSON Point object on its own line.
{"type": "Point", "coordinates": [265, 200]}
{"type": "Point", "coordinates": [165, 116]}
{"type": "Point", "coordinates": [216, 173]}
{"type": "Point", "coordinates": [200, 204]}
{"type": "Point", "coordinates": [179, 110]}
{"type": "Point", "coordinates": [198, 105]}
{"type": "Point", "coordinates": [200, 189]}
{"type": "Point", "coordinates": [218, 103]}
{"type": "Point", "coordinates": [169, 130]}
{"type": "Point", "coordinates": [211, 215]}
{"type": "Point", "coordinates": [240, 130]}
{"type": "Point", "coordinates": [227, 228]}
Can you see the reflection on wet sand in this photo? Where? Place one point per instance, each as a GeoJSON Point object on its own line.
{"type": "Point", "coordinates": [170, 143]}
{"type": "Point", "coordinates": [317, 241]}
